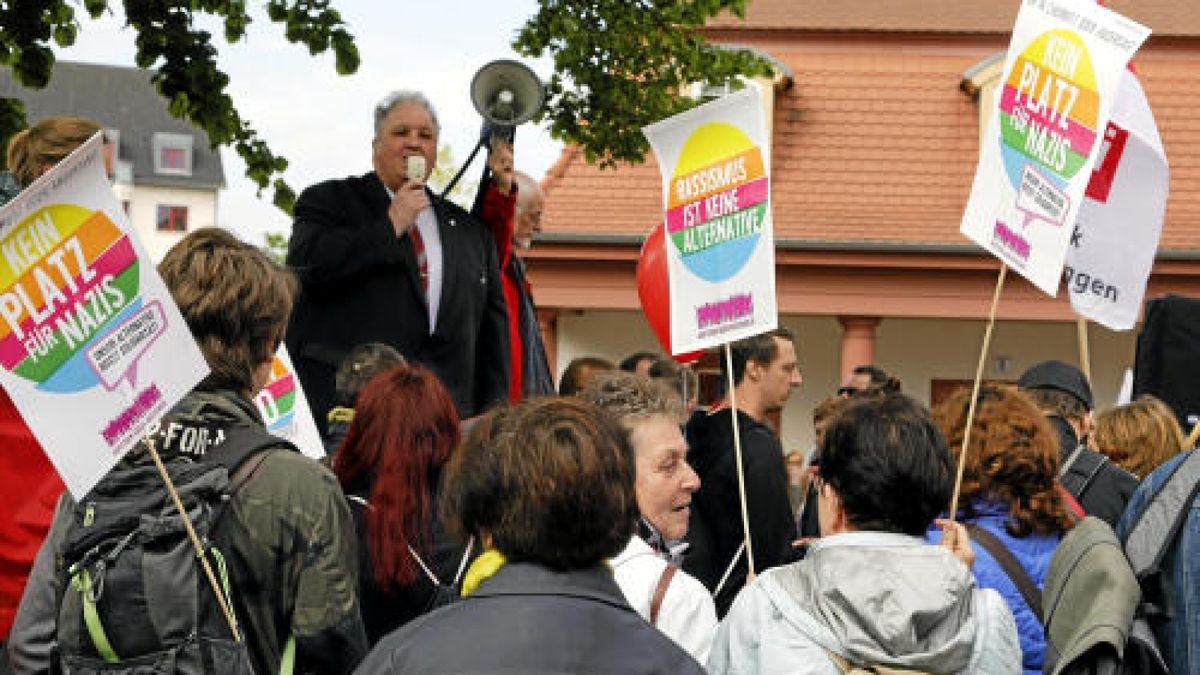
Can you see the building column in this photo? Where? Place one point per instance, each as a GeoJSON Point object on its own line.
{"type": "Point", "coordinates": [858, 343]}
{"type": "Point", "coordinates": [548, 326]}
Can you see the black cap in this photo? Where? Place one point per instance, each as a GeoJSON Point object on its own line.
{"type": "Point", "coordinates": [1058, 375]}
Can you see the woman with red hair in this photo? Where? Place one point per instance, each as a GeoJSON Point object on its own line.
{"type": "Point", "coordinates": [390, 465]}
{"type": "Point", "coordinates": [1010, 500]}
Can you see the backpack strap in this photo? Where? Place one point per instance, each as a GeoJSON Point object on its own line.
{"type": "Point", "coordinates": [82, 581]}
{"type": "Point", "coordinates": [1155, 528]}
{"type": "Point", "coordinates": [660, 591]}
{"type": "Point", "coordinates": [363, 503]}
{"type": "Point", "coordinates": [287, 660]}
{"type": "Point", "coordinates": [1080, 469]}
{"type": "Point", "coordinates": [1011, 566]}
{"type": "Point", "coordinates": [1074, 509]}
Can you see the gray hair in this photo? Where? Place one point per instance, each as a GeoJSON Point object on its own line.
{"type": "Point", "coordinates": [404, 96]}
{"type": "Point", "coordinates": [632, 398]}
{"type": "Point", "coordinates": [527, 187]}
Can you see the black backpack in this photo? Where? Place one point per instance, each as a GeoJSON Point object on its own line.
{"type": "Point", "coordinates": [133, 597]}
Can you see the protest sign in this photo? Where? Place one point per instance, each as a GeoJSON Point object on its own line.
{"type": "Point", "coordinates": [1060, 78]}
{"type": "Point", "coordinates": [285, 409]}
{"type": "Point", "coordinates": [92, 345]}
{"type": "Point", "coordinates": [1120, 221]}
{"type": "Point", "coordinates": [715, 165]}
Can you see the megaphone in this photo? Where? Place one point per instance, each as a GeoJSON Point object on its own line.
{"type": "Point", "coordinates": [507, 93]}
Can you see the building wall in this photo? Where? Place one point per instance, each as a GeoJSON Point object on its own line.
{"type": "Point", "coordinates": [917, 351]}
{"type": "Point", "coordinates": [143, 213]}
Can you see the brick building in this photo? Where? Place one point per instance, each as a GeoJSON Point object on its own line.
{"type": "Point", "coordinates": [874, 150]}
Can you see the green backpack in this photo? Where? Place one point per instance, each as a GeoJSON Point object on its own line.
{"type": "Point", "coordinates": [133, 597]}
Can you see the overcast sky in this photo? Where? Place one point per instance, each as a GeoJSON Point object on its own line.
{"type": "Point", "coordinates": [322, 122]}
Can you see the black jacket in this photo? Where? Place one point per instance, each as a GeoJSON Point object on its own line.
{"type": "Point", "coordinates": [1101, 487]}
{"type": "Point", "coordinates": [359, 283]}
{"type": "Point", "coordinates": [386, 609]}
{"type": "Point", "coordinates": [530, 619]}
{"type": "Point", "coordinates": [715, 528]}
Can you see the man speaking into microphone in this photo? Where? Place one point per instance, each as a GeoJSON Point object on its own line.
{"type": "Point", "coordinates": [381, 258]}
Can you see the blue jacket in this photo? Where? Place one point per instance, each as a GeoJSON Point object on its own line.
{"type": "Point", "coordinates": [1179, 635]}
{"type": "Point", "coordinates": [1034, 552]}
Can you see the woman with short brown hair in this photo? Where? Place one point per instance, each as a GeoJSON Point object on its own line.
{"type": "Point", "coordinates": [548, 487]}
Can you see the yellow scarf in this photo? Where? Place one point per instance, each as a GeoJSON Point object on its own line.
{"type": "Point", "coordinates": [485, 567]}
{"type": "Point", "coordinates": [340, 414]}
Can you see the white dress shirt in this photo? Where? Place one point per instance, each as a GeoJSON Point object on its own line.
{"type": "Point", "coordinates": [427, 225]}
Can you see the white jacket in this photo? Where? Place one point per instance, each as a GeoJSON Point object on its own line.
{"type": "Point", "coordinates": [875, 599]}
{"type": "Point", "coordinates": [687, 614]}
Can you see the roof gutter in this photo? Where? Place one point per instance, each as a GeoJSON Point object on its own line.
{"type": "Point", "coordinates": [589, 239]}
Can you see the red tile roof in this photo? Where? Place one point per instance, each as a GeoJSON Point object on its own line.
{"type": "Point", "coordinates": [876, 143]}
{"type": "Point", "coordinates": [1166, 17]}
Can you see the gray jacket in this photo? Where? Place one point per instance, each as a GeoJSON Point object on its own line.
{"type": "Point", "coordinates": [872, 598]}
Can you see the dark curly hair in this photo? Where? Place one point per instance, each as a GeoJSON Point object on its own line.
{"type": "Point", "coordinates": [1013, 458]}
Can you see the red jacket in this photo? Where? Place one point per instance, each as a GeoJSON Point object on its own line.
{"type": "Point", "coordinates": [498, 214]}
{"type": "Point", "coordinates": [29, 490]}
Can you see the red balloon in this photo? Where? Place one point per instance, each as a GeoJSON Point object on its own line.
{"type": "Point", "coordinates": [654, 292]}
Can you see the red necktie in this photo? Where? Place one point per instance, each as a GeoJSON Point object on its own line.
{"type": "Point", "coordinates": [418, 244]}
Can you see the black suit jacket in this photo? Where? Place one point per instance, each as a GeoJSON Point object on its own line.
{"type": "Point", "coordinates": [359, 283]}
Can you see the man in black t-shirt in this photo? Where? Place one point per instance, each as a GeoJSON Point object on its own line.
{"type": "Point", "coordinates": [765, 372]}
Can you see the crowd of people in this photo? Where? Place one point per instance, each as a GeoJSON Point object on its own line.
{"type": "Point", "coordinates": [471, 517]}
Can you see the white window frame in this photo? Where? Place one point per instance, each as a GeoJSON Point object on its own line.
{"type": "Point", "coordinates": [165, 141]}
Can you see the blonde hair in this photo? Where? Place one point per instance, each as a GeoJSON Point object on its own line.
{"type": "Point", "coordinates": [1138, 436]}
{"type": "Point", "coordinates": [45, 144]}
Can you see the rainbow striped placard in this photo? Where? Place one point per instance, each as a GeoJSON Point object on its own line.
{"type": "Point", "coordinates": [715, 165]}
{"type": "Point", "coordinates": [93, 349]}
{"type": "Point", "coordinates": [1053, 102]}
{"type": "Point", "coordinates": [1049, 106]}
{"type": "Point", "coordinates": [67, 275]}
{"type": "Point", "coordinates": [285, 409]}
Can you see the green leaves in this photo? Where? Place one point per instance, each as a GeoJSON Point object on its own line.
{"type": "Point", "coordinates": [619, 64]}
{"type": "Point", "coordinates": [622, 64]}
{"type": "Point", "coordinates": [12, 120]}
{"type": "Point", "coordinates": [167, 39]}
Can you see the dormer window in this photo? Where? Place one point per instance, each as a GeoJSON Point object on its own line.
{"type": "Point", "coordinates": [172, 154]}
